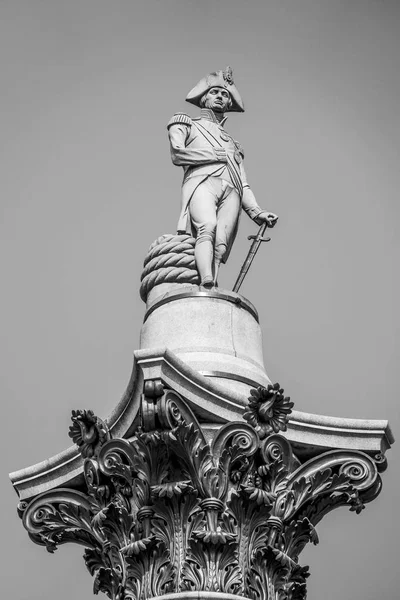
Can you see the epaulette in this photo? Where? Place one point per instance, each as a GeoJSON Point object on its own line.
{"type": "Point", "coordinates": [180, 119]}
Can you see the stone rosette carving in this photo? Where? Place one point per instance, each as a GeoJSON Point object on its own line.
{"type": "Point", "coordinates": [168, 512]}
{"type": "Point", "coordinates": [88, 432]}
{"type": "Point", "coordinates": [268, 410]}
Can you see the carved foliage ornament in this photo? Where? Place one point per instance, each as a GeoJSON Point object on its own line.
{"type": "Point", "coordinates": [168, 512]}
{"type": "Point", "coordinates": [268, 410]}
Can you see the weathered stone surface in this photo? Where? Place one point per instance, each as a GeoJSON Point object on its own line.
{"type": "Point", "coordinates": [215, 332]}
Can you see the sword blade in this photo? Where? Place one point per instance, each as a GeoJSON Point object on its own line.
{"type": "Point", "coordinates": [250, 256]}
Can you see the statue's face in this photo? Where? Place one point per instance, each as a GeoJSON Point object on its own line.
{"type": "Point", "coordinates": [217, 99]}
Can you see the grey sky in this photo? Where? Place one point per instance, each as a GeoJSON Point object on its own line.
{"type": "Point", "coordinates": [87, 88]}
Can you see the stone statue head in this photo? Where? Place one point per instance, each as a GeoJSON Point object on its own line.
{"type": "Point", "coordinates": [217, 80]}
{"type": "Point", "coordinates": [218, 99]}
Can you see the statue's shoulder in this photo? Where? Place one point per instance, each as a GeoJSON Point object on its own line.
{"type": "Point", "coordinates": [180, 119]}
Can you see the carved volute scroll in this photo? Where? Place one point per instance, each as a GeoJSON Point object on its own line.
{"type": "Point", "coordinates": [167, 512]}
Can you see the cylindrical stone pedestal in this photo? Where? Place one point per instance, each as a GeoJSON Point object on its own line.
{"type": "Point", "coordinates": [215, 332]}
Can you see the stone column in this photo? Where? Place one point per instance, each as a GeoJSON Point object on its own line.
{"type": "Point", "coordinates": [203, 483]}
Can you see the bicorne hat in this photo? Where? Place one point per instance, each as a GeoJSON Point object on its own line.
{"type": "Point", "coordinates": [221, 79]}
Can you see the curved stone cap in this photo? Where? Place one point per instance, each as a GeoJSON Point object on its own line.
{"type": "Point", "coordinates": [335, 432]}
{"type": "Point", "coordinates": [172, 292]}
{"type": "Point", "coordinates": [212, 403]}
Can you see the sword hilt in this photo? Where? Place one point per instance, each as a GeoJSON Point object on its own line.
{"type": "Point", "coordinates": [259, 239]}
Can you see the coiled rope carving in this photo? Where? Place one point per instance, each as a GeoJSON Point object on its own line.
{"type": "Point", "coordinates": [170, 259]}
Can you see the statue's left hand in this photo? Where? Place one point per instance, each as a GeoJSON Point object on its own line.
{"type": "Point", "coordinates": [267, 217]}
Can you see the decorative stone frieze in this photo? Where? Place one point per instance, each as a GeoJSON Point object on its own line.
{"type": "Point", "coordinates": [175, 509]}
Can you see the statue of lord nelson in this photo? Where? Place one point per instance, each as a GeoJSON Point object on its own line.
{"type": "Point", "coordinates": [215, 187]}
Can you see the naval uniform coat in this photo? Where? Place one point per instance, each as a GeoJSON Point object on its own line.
{"type": "Point", "coordinates": [204, 149]}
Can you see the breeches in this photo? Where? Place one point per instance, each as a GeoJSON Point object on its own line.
{"type": "Point", "coordinates": [214, 210]}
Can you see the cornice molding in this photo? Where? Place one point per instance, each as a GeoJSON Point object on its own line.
{"type": "Point", "coordinates": [213, 405]}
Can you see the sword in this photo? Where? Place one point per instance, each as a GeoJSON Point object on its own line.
{"type": "Point", "coordinates": [257, 240]}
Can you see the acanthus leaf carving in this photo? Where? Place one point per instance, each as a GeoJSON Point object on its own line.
{"type": "Point", "coordinates": [167, 512]}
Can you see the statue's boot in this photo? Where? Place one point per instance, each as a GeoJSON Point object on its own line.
{"type": "Point", "coordinates": [216, 265]}
{"type": "Point", "coordinates": [219, 253]}
{"type": "Point", "coordinates": [203, 254]}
